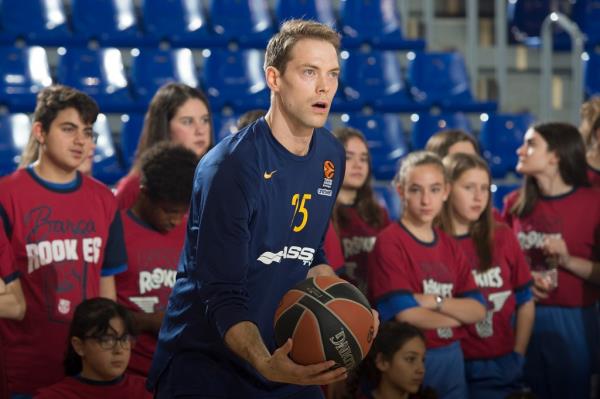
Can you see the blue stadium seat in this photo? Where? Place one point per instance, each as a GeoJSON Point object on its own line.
{"type": "Point", "coordinates": [152, 68]}
{"type": "Point", "coordinates": [500, 136]}
{"type": "Point", "coordinates": [374, 79]}
{"type": "Point", "coordinates": [111, 23]}
{"type": "Point", "coordinates": [100, 74]}
{"type": "Point", "coordinates": [247, 23]}
{"type": "Point", "coordinates": [591, 76]}
{"type": "Point", "coordinates": [385, 139]}
{"type": "Point", "coordinates": [441, 79]}
{"type": "Point", "coordinates": [388, 197]}
{"type": "Point", "coordinates": [525, 19]}
{"type": "Point", "coordinates": [131, 130]}
{"type": "Point", "coordinates": [107, 167]}
{"type": "Point", "coordinates": [587, 14]}
{"type": "Point", "coordinates": [23, 72]}
{"type": "Point", "coordinates": [373, 22]}
{"type": "Point", "coordinates": [179, 22]}
{"type": "Point", "coordinates": [224, 125]}
{"type": "Point", "coordinates": [317, 10]}
{"type": "Point", "coordinates": [501, 190]}
{"type": "Point", "coordinates": [14, 134]}
{"type": "Point", "coordinates": [42, 22]}
{"type": "Point", "coordinates": [235, 79]}
{"type": "Point", "coordinates": [426, 125]}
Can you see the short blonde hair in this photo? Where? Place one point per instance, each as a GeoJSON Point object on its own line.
{"type": "Point", "coordinates": [291, 32]}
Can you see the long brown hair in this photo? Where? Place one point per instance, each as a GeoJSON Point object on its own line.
{"type": "Point", "coordinates": [441, 142]}
{"type": "Point", "coordinates": [564, 139]}
{"type": "Point", "coordinates": [482, 230]}
{"type": "Point", "coordinates": [365, 203]}
{"type": "Point", "coordinates": [162, 109]}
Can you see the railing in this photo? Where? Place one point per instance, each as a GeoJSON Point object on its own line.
{"type": "Point", "coordinates": [546, 63]}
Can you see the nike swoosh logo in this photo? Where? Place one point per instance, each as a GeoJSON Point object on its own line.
{"type": "Point", "coordinates": [268, 175]}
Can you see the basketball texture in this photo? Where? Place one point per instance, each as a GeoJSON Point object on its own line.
{"type": "Point", "coordinates": [327, 319]}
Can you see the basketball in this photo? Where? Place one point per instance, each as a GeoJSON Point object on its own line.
{"type": "Point", "coordinates": [327, 319]}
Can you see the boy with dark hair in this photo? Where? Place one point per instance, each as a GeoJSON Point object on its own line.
{"type": "Point", "coordinates": [65, 234]}
{"type": "Point", "coordinates": [154, 230]}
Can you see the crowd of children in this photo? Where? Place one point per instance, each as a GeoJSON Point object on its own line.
{"type": "Point", "coordinates": [474, 302]}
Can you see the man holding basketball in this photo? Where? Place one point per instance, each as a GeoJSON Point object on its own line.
{"type": "Point", "coordinates": [259, 211]}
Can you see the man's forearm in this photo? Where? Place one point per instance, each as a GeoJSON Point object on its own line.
{"type": "Point", "coordinates": [245, 341]}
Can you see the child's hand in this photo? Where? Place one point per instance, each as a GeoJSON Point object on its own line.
{"type": "Point", "coordinates": [2, 287]}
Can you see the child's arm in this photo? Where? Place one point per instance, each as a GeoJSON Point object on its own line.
{"type": "Point", "coordinates": [148, 322]}
{"type": "Point", "coordinates": [108, 288]}
{"type": "Point", "coordinates": [524, 326]}
{"type": "Point", "coordinates": [464, 310]}
{"type": "Point", "coordinates": [12, 300]}
{"type": "Point", "coordinates": [426, 319]}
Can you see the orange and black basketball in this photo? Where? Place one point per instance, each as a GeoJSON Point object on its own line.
{"type": "Point", "coordinates": [327, 319]}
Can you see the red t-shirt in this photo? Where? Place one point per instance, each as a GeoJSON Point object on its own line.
{"type": "Point", "coordinates": [400, 264]}
{"type": "Point", "coordinates": [575, 217]}
{"type": "Point", "coordinates": [63, 238]}
{"type": "Point", "coordinates": [150, 276]}
{"type": "Point", "coordinates": [125, 387]}
{"type": "Point", "coordinates": [593, 176]}
{"type": "Point", "coordinates": [494, 336]}
{"type": "Point", "coordinates": [358, 239]}
{"type": "Point", "coordinates": [8, 273]}
{"type": "Point", "coordinates": [333, 248]}
{"type": "Point", "coordinates": [127, 191]}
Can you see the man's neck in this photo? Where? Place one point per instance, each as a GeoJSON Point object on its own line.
{"type": "Point", "coordinates": [49, 172]}
{"type": "Point", "coordinates": [291, 135]}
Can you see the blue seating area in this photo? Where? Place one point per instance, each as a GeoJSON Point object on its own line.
{"type": "Point", "coordinates": [426, 125]}
{"type": "Point", "coordinates": [14, 134]}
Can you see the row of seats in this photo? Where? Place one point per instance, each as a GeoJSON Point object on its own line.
{"type": "Point", "coordinates": [192, 23]}
{"type": "Point", "coordinates": [500, 136]}
{"type": "Point", "coordinates": [236, 79]}
{"type": "Point", "coordinates": [526, 16]}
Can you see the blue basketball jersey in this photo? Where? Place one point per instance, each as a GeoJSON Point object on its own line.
{"type": "Point", "coordinates": [256, 225]}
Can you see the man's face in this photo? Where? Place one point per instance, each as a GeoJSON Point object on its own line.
{"type": "Point", "coordinates": [309, 83]}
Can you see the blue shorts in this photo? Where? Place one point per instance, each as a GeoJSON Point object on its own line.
{"type": "Point", "coordinates": [494, 378]}
{"type": "Point", "coordinates": [562, 354]}
{"type": "Point", "coordinates": [445, 372]}
{"type": "Point", "coordinates": [196, 376]}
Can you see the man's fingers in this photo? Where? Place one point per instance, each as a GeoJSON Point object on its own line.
{"type": "Point", "coordinates": [331, 376]}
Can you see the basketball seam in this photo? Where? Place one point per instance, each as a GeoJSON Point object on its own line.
{"type": "Point", "coordinates": [307, 310]}
{"type": "Point", "coordinates": [345, 282]}
{"type": "Point", "coordinates": [293, 303]}
{"type": "Point", "coordinates": [320, 289]}
{"type": "Point", "coordinates": [362, 355]}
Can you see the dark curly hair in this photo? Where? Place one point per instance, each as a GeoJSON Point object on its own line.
{"type": "Point", "coordinates": [53, 99]}
{"type": "Point", "coordinates": [167, 172]}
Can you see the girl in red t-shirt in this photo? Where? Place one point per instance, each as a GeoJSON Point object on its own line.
{"type": "Point", "coordinates": [100, 340]}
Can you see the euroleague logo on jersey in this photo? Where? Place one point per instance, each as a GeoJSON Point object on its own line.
{"type": "Point", "coordinates": [328, 173]}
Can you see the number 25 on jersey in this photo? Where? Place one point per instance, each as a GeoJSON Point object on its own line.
{"type": "Point", "coordinates": [300, 207]}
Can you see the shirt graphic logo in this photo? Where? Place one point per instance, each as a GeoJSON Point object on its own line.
{"type": "Point", "coordinates": [293, 252]}
{"type": "Point", "coordinates": [268, 175]}
{"type": "Point", "coordinates": [328, 169]}
{"type": "Point", "coordinates": [64, 306]}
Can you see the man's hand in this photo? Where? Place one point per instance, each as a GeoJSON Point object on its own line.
{"type": "Point", "coordinates": [280, 368]}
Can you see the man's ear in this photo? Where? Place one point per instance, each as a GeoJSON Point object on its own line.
{"type": "Point", "coordinates": [38, 132]}
{"type": "Point", "coordinates": [272, 76]}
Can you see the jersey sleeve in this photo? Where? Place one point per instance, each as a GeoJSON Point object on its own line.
{"type": "Point", "coordinates": [386, 274]}
{"type": "Point", "coordinates": [115, 255]}
{"type": "Point", "coordinates": [221, 213]}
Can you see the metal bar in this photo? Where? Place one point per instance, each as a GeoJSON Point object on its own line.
{"type": "Point", "coordinates": [576, 65]}
{"type": "Point", "coordinates": [501, 52]}
{"type": "Point", "coordinates": [429, 11]}
{"type": "Point", "coordinates": [403, 9]}
{"type": "Point", "coordinates": [472, 55]}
